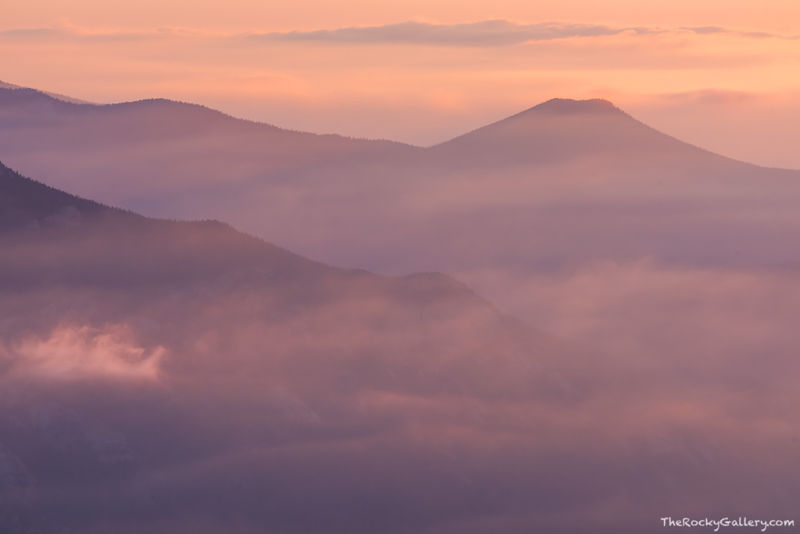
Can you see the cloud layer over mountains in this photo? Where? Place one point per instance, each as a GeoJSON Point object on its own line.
{"type": "Point", "coordinates": [181, 377]}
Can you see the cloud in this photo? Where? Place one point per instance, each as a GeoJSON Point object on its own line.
{"type": "Point", "coordinates": [709, 96]}
{"type": "Point", "coordinates": [74, 353]}
{"type": "Point", "coordinates": [485, 33]}
{"type": "Point", "coordinates": [76, 33]}
{"type": "Point", "coordinates": [711, 30]}
{"type": "Point", "coordinates": [482, 33]}
{"type": "Point", "coordinates": [31, 33]}
{"type": "Point", "coordinates": [323, 415]}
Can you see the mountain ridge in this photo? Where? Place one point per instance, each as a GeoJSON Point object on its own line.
{"type": "Point", "coordinates": [15, 95]}
{"type": "Point", "coordinates": [554, 107]}
{"type": "Point", "coordinates": [583, 167]}
{"type": "Point", "coordinates": [557, 107]}
{"type": "Point", "coordinates": [28, 205]}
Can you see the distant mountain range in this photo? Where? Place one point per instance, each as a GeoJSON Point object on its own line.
{"type": "Point", "coordinates": [562, 185]}
{"type": "Point", "coordinates": [176, 377]}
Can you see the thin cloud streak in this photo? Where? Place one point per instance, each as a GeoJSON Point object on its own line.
{"type": "Point", "coordinates": [486, 33]}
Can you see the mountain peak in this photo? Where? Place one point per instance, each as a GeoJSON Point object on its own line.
{"type": "Point", "coordinates": [566, 106]}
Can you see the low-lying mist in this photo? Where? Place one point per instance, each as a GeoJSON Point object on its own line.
{"type": "Point", "coordinates": [346, 402]}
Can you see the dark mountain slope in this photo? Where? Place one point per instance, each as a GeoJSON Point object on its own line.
{"type": "Point", "coordinates": [27, 203]}
{"type": "Point", "coordinates": [146, 366]}
{"type": "Point", "coordinates": [70, 238]}
{"type": "Point", "coordinates": [59, 242]}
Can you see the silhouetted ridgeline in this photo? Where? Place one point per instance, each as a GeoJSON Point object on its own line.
{"type": "Point", "coordinates": [183, 377]}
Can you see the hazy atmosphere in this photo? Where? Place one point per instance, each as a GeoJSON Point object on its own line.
{"type": "Point", "coordinates": [440, 267]}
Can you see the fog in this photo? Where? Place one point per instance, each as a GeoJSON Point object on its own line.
{"type": "Point", "coordinates": [615, 345]}
{"type": "Point", "coordinates": [224, 411]}
{"type": "Point", "coordinates": [150, 383]}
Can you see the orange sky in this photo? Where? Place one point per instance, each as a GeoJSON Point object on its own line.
{"type": "Point", "coordinates": [721, 74]}
{"type": "Point", "coordinates": [776, 15]}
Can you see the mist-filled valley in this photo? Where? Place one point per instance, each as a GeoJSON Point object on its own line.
{"type": "Point", "coordinates": [563, 322]}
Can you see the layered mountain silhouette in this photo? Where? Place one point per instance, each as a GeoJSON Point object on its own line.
{"type": "Point", "coordinates": [67, 236]}
{"type": "Point", "coordinates": [564, 184]}
{"type": "Point", "coordinates": [184, 377]}
{"type": "Point", "coordinates": [55, 237]}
